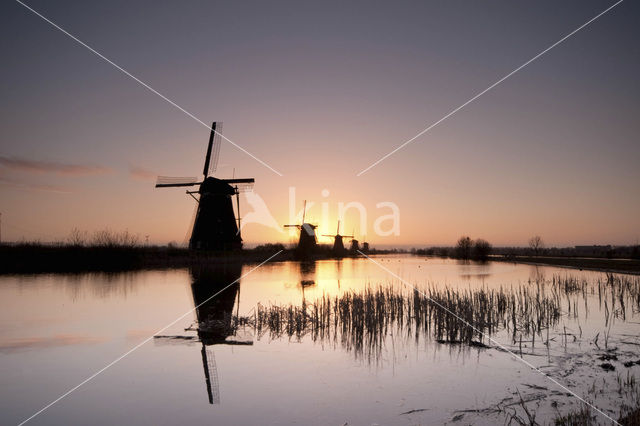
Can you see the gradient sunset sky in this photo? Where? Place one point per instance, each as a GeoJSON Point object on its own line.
{"type": "Point", "coordinates": [319, 91]}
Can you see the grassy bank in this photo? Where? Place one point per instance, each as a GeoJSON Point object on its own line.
{"type": "Point", "coordinates": [629, 266]}
{"type": "Point", "coordinates": [46, 258]}
{"type": "Point", "coordinates": [33, 258]}
{"type": "Point", "coordinates": [30, 258]}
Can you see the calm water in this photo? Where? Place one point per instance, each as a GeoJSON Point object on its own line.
{"type": "Point", "coordinates": [57, 330]}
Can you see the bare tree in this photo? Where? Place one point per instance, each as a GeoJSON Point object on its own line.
{"type": "Point", "coordinates": [536, 244]}
{"type": "Point", "coordinates": [463, 247]}
{"type": "Point", "coordinates": [482, 249]}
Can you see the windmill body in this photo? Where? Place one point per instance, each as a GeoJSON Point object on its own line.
{"type": "Point", "coordinates": [307, 242]}
{"type": "Point", "coordinates": [215, 226]}
{"type": "Point", "coordinates": [338, 244]}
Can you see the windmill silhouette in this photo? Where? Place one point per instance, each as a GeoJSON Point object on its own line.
{"type": "Point", "coordinates": [338, 245]}
{"type": "Point", "coordinates": [307, 242]}
{"type": "Point", "coordinates": [355, 244]}
{"type": "Point", "coordinates": [215, 226]}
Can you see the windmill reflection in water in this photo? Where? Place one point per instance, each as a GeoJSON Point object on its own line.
{"type": "Point", "coordinates": [214, 323]}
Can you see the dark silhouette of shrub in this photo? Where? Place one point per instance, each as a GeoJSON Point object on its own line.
{"type": "Point", "coordinates": [481, 249]}
{"type": "Point", "coordinates": [463, 248]}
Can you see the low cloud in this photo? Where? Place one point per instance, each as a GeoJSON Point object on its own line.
{"type": "Point", "coordinates": [141, 173]}
{"type": "Point", "coordinates": [34, 166]}
{"type": "Point", "coordinates": [14, 183]}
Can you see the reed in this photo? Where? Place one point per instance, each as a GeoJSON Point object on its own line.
{"type": "Point", "coordinates": [362, 321]}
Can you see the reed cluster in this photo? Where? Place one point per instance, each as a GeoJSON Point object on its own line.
{"type": "Point", "coordinates": [361, 321]}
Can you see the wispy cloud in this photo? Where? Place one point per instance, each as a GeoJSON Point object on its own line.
{"type": "Point", "coordinates": [15, 183]}
{"type": "Point", "coordinates": [35, 166]}
{"type": "Point", "coordinates": [141, 173]}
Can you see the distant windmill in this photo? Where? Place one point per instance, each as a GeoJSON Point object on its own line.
{"type": "Point", "coordinates": [338, 245]}
{"type": "Point", "coordinates": [215, 226]}
{"type": "Point", "coordinates": [307, 242]}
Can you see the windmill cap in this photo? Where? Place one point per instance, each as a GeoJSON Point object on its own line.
{"type": "Point", "coordinates": [309, 228]}
{"type": "Point", "coordinates": [216, 186]}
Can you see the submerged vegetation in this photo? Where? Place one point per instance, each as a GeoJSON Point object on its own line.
{"type": "Point", "coordinates": [362, 320]}
{"type": "Point", "coordinates": [584, 415]}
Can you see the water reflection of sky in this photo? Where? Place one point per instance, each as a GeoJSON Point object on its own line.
{"type": "Point", "coordinates": [55, 330]}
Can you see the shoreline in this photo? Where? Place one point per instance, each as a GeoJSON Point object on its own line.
{"type": "Point", "coordinates": [42, 259]}
{"type": "Point", "coordinates": [616, 266]}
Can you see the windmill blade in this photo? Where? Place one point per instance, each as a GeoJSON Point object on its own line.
{"type": "Point", "coordinates": [304, 211]}
{"type": "Point", "coordinates": [187, 235]}
{"type": "Point", "coordinates": [241, 185]}
{"type": "Point", "coordinates": [207, 156]}
{"type": "Point", "coordinates": [213, 150]}
{"type": "Point", "coordinates": [217, 142]}
{"type": "Point", "coordinates": [211, 375]}
{"type": "Point", "coordinates": [168, 181]}
{"type": "Point", "coordinates": [292, 226]}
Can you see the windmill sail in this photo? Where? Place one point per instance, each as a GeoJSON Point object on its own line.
{"type": "Point", "coordinates": [168, 181]}
{"type": "Point", "coordinates": [213, 149]}
{"type": "Point", "coordinates": [211, 375]}
{"type": "Point", "coordinates": [241, 185]}
{"type": "Point", "coordinates": [217, 142]}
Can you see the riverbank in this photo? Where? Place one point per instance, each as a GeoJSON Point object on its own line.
{"type": "Point", "coordinates": [37, 258]}
{"type": "Point", "coordinates": [29, 258]}
{"type": "Point", "coordinates": [40, 258]}
{"type": "Point", "coordinates": [625, 266]}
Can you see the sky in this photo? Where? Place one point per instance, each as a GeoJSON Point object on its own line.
{"type": "Point", "coordinates": [318, 92]}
